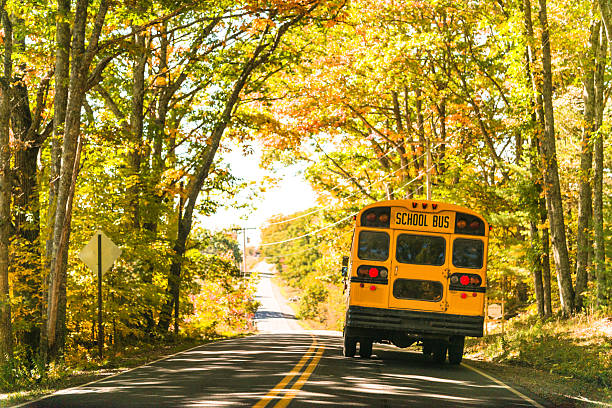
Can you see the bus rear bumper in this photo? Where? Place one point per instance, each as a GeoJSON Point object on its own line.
{"type": "Point", "coordinates": [413, 323]}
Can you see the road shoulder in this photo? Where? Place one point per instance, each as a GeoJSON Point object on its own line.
{"type": "Point", "coordinates": [560, 391]}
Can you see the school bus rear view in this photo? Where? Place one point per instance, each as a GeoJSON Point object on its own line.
{"type": "Point", "coordinates": [417, 273]}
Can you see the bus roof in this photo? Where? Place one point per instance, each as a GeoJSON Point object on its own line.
{"type": "Point", "coordinates": [419, 206]}
{"type": "Point", "coordinates": [423, 215]}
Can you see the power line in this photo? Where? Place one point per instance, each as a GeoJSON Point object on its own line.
{"type": "Point", "coordinates": [304, 249]}
{"type": "Point", "coordinates": [350, 196]}
{"type": "Point", "coordinates": [343, 219]}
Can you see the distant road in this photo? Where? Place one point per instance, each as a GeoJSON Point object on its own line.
{"type": "Point", "coordinates": [286, 365]}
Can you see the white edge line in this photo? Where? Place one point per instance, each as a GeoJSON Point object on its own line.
{"type": "Point", "coordinates": [506, 386]}
{"type": "Point", "coordinates": [23, 404]}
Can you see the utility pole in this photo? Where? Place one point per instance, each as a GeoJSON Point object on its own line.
{"type": "Point", "coordinates": [428, 146]}
{"type": "Point", "coordinates": [428, 185]}
{"type": "Point", "coordinates": [244, 229]}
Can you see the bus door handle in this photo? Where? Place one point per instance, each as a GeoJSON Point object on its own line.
{"type": "Point", "coordinates": [396, 270]}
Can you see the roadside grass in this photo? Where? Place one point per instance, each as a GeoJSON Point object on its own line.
{"type": "Point", "coordinates": [573, 356]}
{"type": "Point", "coordinates": [79, 369]}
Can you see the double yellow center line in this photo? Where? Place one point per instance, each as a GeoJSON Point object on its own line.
{"type": "Point", "coordinates": [313, 354]}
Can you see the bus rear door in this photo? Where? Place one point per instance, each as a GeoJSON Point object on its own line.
{"type": "Point", "coordinates": [419, 271]}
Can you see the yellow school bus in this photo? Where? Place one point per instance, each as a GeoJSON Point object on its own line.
{"type": "Point", "coordinates": [417, 273]}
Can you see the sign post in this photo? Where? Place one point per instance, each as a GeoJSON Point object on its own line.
{"type": "Point", "coordinates": [100, 328]}
{"type": "Point", "coordinates": [99, 255]}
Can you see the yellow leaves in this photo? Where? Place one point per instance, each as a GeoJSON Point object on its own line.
{"type": "Point", "coordinates": [544, 225]}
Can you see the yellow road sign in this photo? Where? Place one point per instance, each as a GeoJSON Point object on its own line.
{"type": "Point", "coordinates": [109, 252]}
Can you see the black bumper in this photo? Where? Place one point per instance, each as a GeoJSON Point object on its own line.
{"type": "Point", "coordinates": [412, 322]}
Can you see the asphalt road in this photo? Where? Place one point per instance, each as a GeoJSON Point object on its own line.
{"type": "Point", "coordinates": [285, 365]}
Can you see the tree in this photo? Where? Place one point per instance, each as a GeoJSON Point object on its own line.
{"type": "Point", "coordinates": [267, 41]}
{"type": "Point", "coordinates": [80, 63]}
{"type": "Point", "coordinates": [6, 331]}
{"type": "Point", "coordinates": [552, 188]}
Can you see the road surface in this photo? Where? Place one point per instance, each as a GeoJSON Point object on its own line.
{"type": "Point", "coordinates": [286, 365]}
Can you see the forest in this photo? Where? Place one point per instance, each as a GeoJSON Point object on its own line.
{"type": "Point", "coordinates": [116, 116]}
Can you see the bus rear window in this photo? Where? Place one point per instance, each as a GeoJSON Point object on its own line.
{"type": "Point", "coordinates": [420, 249]}
{"type": "Point", "coordinates": [467, 253]}
{"type": "Point", "coordinates": [373, 246]}
{"type": "Point", "coordinates": [417, 290]}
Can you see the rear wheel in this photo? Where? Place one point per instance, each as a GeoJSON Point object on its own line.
{"type": "Point", "coordinates": [455, 349]}
{"type": "Point", "coordinates": [439, 352]}
{"type": "Point", "coordinates": [350, 346]}
{"type": "Point", "coordinates": [365, 348]}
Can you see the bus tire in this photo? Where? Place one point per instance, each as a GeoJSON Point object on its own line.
{"type": "Point", "coordinates": [455, 349]}
{"type": "Point", "coordinates": [365, 348]}
{"type": "Point", "coordinates": [349, 347]}
{"type": "Point", "coordinates": [439, 352]}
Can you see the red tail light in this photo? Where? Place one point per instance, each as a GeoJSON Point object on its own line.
{"type": "Point", "coordinates": [463, 295]}
{"type": "Point", "coordinates": [373, 272]}
{"type": "Point", "coordinates": [372, 287]}
{"type": "Point", "coordinates": [465, 280]}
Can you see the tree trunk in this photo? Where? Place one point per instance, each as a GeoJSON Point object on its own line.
{"type": "Point", "coordinates": [540, 243]}
{"type": "Point", "coordinates": [60, 102]}
{"type": "Point", "coordinates": [536, 268]}
{"type": "Point", "coordinates": [28, 270]}
{"type": "Point", "coordinates": [598, 214]}
{"type": "Point", "coordinates": [6, 330]}
{"type": "Point", "coordinates": [552, 188]}
{"type": "Point", "coordinates": [81, 59]}
{"type": "Point", "coordinates": [136, 127]}
{"type": "Point", "coordinates": [585, 203]}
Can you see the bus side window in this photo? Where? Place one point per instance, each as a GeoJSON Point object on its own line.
{"type": "Point", "coordinates": [373, 246]}
{"type": "Point", "coordinates": [468, 253]}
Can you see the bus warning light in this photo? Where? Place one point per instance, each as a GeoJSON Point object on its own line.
{"type": "Point", "coordinates": [424, 205]}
